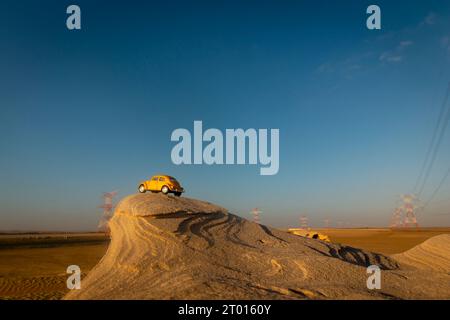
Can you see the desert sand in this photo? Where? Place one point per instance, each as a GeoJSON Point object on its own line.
{"type": "Point", "coordinates": [432, 255]}
{"type": "Point", "coordinates": [383, 240]}
{"type": "Point", "coordinates": [33, 266]}
{"type": "Point", "coordinates": [164, 247]}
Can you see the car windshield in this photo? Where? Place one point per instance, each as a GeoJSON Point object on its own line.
{"type": "Point", "coordinates": [172, 179]}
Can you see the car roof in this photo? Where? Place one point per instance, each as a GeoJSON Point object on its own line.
{"type": "Point", "coordinates": [162, 175]}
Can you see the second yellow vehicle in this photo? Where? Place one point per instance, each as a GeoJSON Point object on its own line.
{"type": "Point", "coordinates": [161, 183]}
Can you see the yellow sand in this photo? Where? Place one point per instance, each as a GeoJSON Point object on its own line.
{"type": "Point", "coordinates": [432, 255]}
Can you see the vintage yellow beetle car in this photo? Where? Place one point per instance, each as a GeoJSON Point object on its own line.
{"type": "Point", "coordinates": [161, 183]}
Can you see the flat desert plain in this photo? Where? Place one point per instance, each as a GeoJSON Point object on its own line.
{"type": "Point", "coordinates": [33, 266]}
{"type": "Point", "coordinates": [383, 240]}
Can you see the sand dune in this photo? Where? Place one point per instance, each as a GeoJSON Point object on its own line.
{"type": "Point", "coordinates": [165, 247]}
{"type": "Point", "coordinates": [432, 255]}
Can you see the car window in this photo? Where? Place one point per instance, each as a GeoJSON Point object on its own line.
{"type": "Point", "coordinates": [155, 179]}
{"type": "Point", "coordinates": [161, 179]}
{"type": "Point", "coordinates": [172, 179]}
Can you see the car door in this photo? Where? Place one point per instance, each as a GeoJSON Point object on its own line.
{"type": "Point", "coordinates": [161, 182]}
{"type": "Point", "coordinates": [154, 184]}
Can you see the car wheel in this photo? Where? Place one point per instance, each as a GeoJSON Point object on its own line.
{"type": "Point", "coordinates": [142, 188]}
{"type": "Point", "coordinates": [165, 190]}
{"type": "Point", "coordinates": [178, 194]}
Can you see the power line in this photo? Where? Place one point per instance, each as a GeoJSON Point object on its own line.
{"type": "Point", "coordinates": [443, 120]}
{"type": "Point", "coordinates": [422, 170]}
{"type": "Point", "coordinates": [435, 192]}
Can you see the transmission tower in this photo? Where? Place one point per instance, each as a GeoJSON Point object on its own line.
{"type": "Point", "coordinates": [396, 221]}
{"type": "Point", "coordinates": [107, 207]}
{"type": "Point", "coordinates": [255, 212]}
{"type": "Point", "coordinates": [404, 215]}
{"type": "Point", "coordinates": [304, 222]}
{"type": "Point", "coordinates": [409, 206]}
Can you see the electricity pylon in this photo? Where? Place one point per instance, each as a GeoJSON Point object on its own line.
{"type": "Point", "coordinates": [255, 212]}
{"type": "Point", "coordinates": [304, 222]}
{"type": "Point", "coordinates": [396, 221]}
{"type": "Point", "coordinates": [404, 215]}
{"type": "Point", "coordinates": [409, 206]}
{"type": "Point", "coordinates": [107, 207]}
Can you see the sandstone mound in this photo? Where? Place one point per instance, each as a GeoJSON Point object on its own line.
{"type": "Point", "coordinates": [433, 254]}
{"type": "Point", "coordinates": [165, 247]}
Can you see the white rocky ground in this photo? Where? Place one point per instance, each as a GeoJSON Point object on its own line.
{"type": "Point", "coordinates": [165, 247]}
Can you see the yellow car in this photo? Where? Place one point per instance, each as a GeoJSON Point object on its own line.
{"type": "Point", "coordinates": [161, 183]}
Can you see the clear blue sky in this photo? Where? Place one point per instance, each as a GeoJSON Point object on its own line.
{"type": "Point", "coordinates": [88, 111]}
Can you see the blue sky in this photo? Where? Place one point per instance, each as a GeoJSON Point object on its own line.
{"type": "Point", "coordinates": [88, 111]}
